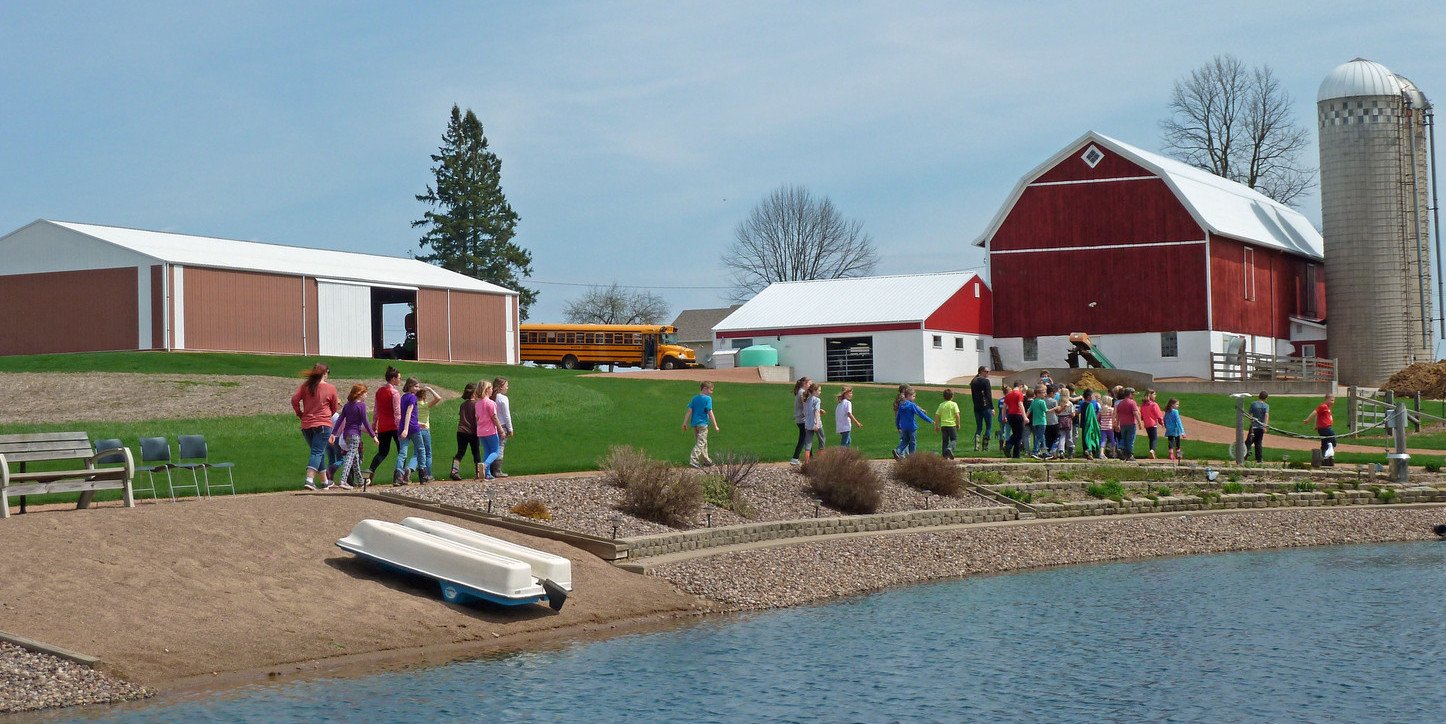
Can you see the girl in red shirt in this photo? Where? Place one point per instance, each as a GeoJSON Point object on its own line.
{"type": "Point", "coordinates": [1151, 416]}
{"type": "Point", "coordinates": [388, 411]}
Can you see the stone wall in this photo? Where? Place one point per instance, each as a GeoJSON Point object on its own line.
{"type": "Point", "coordinates": [665, 543]}
{"type": "Point", "coordinates": [1174, 503]}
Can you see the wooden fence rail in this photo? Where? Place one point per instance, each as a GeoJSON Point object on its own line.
{"type": "Point", "coordinates": [1251, 367]}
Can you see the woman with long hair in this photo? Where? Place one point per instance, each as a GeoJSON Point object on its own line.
{"type": "Point", "coordinates": [800, 401]}
{"type": "Point", "coordinates": [349, 427]}
{"type": "Point", "coordinates": [314, 402]}
{"type": "Point", "coordinates": [466, 430]}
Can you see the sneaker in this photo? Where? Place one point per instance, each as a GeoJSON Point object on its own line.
{"type": "Point", "coordinates": [794, 462]}
{"type": "Point", "coordinates": [501, 475]}
{"type": "Point", "coordinates": [309, 485]}
{"type": "Point", "coordinates": [695, 464]}
{"type": "Point", "coordinates": [344, 485]}
{"type": "Point", "coordinates": [896, 454]}
{"type": "Point", "coordinates": [328, 486]}
{"type": "Point", "coordinates": [1036, 456]}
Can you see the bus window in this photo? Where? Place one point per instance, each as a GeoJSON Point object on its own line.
{"type": "Point", "coordinates": [552, 336]}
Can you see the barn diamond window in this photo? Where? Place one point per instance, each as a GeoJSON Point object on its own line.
{"type": "Point", "coordinates": [1092, 156]}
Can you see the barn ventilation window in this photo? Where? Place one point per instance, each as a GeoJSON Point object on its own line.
{"type": "Point", "coordinates": [959, 344]}
{"type": "Point", "coordinates": [1169, 344]}
{"type": "Point", "coordinates": [1031, 349]}
{"type": "Point", "coordinates": [938, 341]}
{"type": "Point", "coordinates": [1249, 274]}
{"type": "Point", "coordinates": [1092, 156]}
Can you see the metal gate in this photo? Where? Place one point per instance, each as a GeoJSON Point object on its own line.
{"type": "Point", "coordinates": [850, 359]}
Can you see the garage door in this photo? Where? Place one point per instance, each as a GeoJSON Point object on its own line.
{"type": "Point", "coordinates": [850, 359]}
{"type": "Point", "coordinates": [344, 319]}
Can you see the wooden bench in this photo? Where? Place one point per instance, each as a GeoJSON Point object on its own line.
{"type": "Point", "coordinates": [41, 446]}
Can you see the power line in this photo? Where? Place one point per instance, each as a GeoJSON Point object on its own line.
{"type": "Point", "coordinates": [620, 286]}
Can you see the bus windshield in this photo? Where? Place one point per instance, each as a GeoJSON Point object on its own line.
{"type": "Point", "coordinates": [670, 338]}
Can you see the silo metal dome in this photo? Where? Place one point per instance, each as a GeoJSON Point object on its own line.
{"type": "Point", "coordinates": [1374, 214]}
{"type": "Point", "coordinates": [1360, 77]}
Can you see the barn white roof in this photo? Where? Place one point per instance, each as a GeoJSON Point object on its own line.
{"type": "Point", "coordinates": [206, 251]}
{"type": "Point", "coordinates": [846, 302]}
{"type": "Point", "coordinates": [1219, 205]}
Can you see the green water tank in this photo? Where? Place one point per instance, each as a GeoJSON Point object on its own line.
{"type": "Point", "coordinates": [759, 355]}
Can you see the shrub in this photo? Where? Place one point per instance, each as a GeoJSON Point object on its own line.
{"type": "Point", "coordinates": [1296, 465]}
{"type": "Point", "coordinates": [624, 463]}
{"type": "Point", "coordinates": [1065, 476]}
{"type": "Point", "coordinates": [1023, 496]}
{"type": "Point", "coordinates": [1108, 490]}
{"type": "Point", "coordinates": [532, 508]}
{"type": "Point", "coordinates": [724, 494]}
{"type": "Point", "coordinates": [1433, 467]}
{"type": "Point", "coordinates": [844, 480]}
{"type": "Point", "coordinates": [987, 477]}
{"type": "Point", "coordinates": [664, 495]}
{"type": "Point", "coordinates": [1232, 488]}
{"type": "Point", "coordinates": [1330, 494]}
{"type": "Point", "coordinates": [929, 471]}
{"type": "Point", "coordinates": [735, 467]}
{"type": "Point", "coordinates": [1162, 490]}
{"type": "Point", "coordinates": [1234, 478]}
{"type": "Point", "coordinates": [1206, 496]}
{"type": "Point", "coordinates": [1386, 495]}
{"type": "Point", "coordinates": [1304, 486]}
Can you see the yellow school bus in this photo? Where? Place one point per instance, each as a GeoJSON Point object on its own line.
{"type": "Point", "coordinates": [584, 346]}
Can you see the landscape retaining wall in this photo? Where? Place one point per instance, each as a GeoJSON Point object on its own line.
{"type": "Point", "coordinates": [665, 543]}
{"type": "Point", "coordinates": [1173, 503]}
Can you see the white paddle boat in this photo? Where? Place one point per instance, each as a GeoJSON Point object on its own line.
{"type": "Point", "coordinates": [467, 565]}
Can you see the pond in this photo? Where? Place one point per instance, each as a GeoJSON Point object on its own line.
{"type": "Point", "coordinates": [1348, 633]}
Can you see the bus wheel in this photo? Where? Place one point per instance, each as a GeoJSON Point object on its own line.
{"type": "Point", "coordinates": [569, 362]}
{"type": "Point", "coordinates": [670, 364]}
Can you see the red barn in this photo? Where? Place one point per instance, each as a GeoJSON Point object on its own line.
{"type": "Point", "coordinates": [1160, 262]}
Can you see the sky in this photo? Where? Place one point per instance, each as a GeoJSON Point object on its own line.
{"type": "Point", "coordinates": [633, 136]}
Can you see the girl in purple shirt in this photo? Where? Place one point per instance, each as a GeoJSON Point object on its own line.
{"type": "Point", "coordinates": [406, 430]}
{"type": "Point", "coordinates": [349, 429]}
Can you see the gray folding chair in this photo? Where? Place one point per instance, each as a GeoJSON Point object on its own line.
{"type": "Point", "coordinates": [114, 443]}
{"type": "Point", "coordinates": [194, 451]}
{"type": "Point", "coordinates": [156, 458]}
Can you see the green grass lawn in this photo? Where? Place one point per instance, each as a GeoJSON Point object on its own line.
{"type": "Point", "coordinates": [1288, 412]}
{"type": "Point", "coordinates": [565, 421]}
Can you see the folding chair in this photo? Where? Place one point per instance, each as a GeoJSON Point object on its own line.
{"type": "Point", "coordinates": [193, 448]}
{"type": "Point", "coordinates": [156, 458]}
{"type": "Point", "coordinates": [113, 443]}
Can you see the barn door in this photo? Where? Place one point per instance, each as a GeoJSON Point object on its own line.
{"type": "Point", "coordinates": [850, 359]}
{"type": "Point", "coordinates": [344, 324]}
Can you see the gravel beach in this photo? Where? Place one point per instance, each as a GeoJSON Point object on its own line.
{"type": "Point", "coordinates": [588, 505]}
{"type": "Point", "coordinates": [30, 681]}
{"type": "Point", "coordinates": [793, 575]}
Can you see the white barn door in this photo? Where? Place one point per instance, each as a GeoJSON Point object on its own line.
{"type": "Point", "coordinates": [344, 319]}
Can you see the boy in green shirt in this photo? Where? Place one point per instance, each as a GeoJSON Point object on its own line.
{"type": "Point", "coordinates": [947, 423]}
{"type": "Point", "coordinates": [1038, 411]}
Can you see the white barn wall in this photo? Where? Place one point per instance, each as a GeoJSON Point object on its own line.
{"type": "Point", "coordinates": [899, 355]}
{"type": "Point", "coordinates": [40, 248]}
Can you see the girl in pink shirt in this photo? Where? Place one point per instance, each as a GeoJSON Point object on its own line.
{"type": "Point", "coordinates": [488, 429]}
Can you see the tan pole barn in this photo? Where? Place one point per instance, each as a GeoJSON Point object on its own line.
{"type": "Point", "coordinates": [68, 287]}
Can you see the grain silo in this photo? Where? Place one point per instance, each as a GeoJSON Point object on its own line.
{"type": "Point", "coordinates": [1374, 166]}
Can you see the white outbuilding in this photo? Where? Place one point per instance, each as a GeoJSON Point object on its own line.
{"type": "Point", "coordinates": [928, 328]}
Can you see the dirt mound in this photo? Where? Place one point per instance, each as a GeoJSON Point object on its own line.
{"type": "Point", "coordinates": [1088, 381]}
{"type": "Point", "coordinates": [1427, 378]}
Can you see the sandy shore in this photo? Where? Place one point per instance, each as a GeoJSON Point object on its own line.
{"type": "Point", "coordinates": [163, 592]}
{"type": "Point", "coordinates": [788, 576]}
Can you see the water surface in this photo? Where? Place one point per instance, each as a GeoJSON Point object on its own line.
{"type": "Point", "coordinates": [1351, 633]}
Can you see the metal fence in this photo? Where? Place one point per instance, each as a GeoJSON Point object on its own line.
{"type": "Point", "coordinates": [1251, 367]}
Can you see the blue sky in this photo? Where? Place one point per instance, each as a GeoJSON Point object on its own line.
{"type": "Point", "coordinates": [633, 136]}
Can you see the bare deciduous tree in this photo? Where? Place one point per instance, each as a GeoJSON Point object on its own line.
{"type": "Point", "coordinates": [613, 304]}
{"type": "Point", "coordinates": [1236, 122]}
{"type": "Point", "coordinates": [791, 236]}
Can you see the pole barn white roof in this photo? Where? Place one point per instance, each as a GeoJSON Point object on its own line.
{"type": "Point", "coordinates": [1219, 205]}
{"type": "Point", "coordinates": [846, 302]}
{"type": "Point", "coordinates": [206, 251]}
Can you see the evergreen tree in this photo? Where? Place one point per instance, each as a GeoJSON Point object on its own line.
{"type": "Point", "coordinates": [469, 225]}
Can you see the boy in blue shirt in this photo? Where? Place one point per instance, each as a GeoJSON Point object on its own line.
{"type": "Point", "coordinates": [698, 416]}
{"type": "Point", "coordinates": [905, 414]}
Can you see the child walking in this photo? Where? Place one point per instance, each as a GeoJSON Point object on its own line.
{"type": "Point", "coordinates": [843, 415]}
{"type": "Point", "coordinates": [1174, 428]}
{"type": "Point", "coordinates": [466, 430]}
{"type": "Point", "coordinates": [1107, 424]}
{"type": "Point", "coordinates": [489, 430]}
{"type": "Point", "coordinates": [813, 421]}
{"type": "Point", "coordinates": [1038, 420]}
{"type": "Point", "coordinates": [504, 418]}
{"type": "Point", "coordinates": [1065, 412]}
{"type": "Point", "coordinates": [421, 458]}
{"type": "Point", "coordinates": [348, 431]}
{"type": "Point", "coordinates": [698, 416]}
{"type": "Point", "coordinates": [948, 424]}
{"type": "Point", "coordinates": [406, 430]}
{"type": "Point", "coordinates": [906, 417]}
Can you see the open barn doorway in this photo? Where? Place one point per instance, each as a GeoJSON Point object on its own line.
{"type": "Point", "coordinates": [394, 323]}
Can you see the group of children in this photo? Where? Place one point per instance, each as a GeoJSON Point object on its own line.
{"type": "Point", "coordinates": [403, 416]}
{"type": "Point", "coordinates": [1061, 421]}
{"type": "Point", "coordinates": [808, 417]}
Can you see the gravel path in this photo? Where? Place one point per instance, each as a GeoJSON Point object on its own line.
{"type": "Point", "coordinates": [588, 505]}
{"type": "Point", "coordinates": [792, 575]}
{"type": "Point", "coordinates": [30, 681]}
